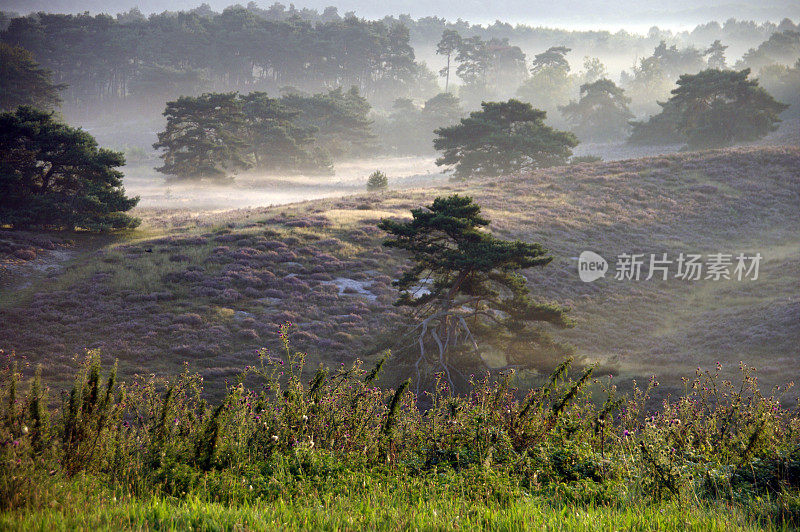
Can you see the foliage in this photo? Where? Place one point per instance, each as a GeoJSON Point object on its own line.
{"type": "Point", "coordinates": [276, 141]}
{"type": "Point", "coordinates": [55, 176]}
{"type": "Point", "coordinates": [24, 81]}
{"type": "Point", "coordinates": [502, 138]}
{"type": "Point", "coordinates": [783, 82]}
{"type": "Point", "coordinates": [716, 55]}
{"type": "Point", "coordinates": [486, 67]}
{"type": "Point", "coordinates": [447, 46]}
{"type": "Point", "coordinates": [601, 113]}
{"type": "Point", "coordinates": [593, 70]}
{"type": "Point", "coordinates": [714, 108]}
{"type": "Point", "coordinates": [578, 159]}
{"type": "Point", "coordinates": [179, 53]}
{"type": "Point", "coordinates": [279, 436]}
{"type": "Point", "coordinates": [462, 278]}
{"type": "Point", "coordinates": [376, 181]}
{"type": "Point", "coordinates": [339, 117]}
{"type": "Point", "coordinates": [655, 76]}
{"type": "Point", "coordinates": [781, 48]}
{"type": "Point", "coordinates": [216, 134]}
{"type": "Point", "coordinates": [203, 137]}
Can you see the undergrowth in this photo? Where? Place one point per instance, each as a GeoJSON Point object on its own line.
{"type": "Point", "coordinates": [339, 451]}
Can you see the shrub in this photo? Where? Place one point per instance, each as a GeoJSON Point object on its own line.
{"type": "Point", "coordinates": [377, 181]}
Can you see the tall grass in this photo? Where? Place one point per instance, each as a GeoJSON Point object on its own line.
{"type": "Point", "coordinates": [340, 452]}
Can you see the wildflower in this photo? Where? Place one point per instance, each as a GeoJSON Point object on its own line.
{"type": "Point", "coordinates": [305, 417]}
{"type": "Point", "coordinates": [24, 429]}
{"type": "Point", "coordinates": [274, 438]}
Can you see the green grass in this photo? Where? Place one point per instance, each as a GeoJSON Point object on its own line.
{"type": "Point", "coordinates": [382, 501]}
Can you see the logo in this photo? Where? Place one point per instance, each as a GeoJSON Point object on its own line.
{"type": "Point", "coordinates": [591, 266]}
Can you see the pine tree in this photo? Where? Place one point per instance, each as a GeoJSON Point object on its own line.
{"type": "Point", "coordinates": [448, 45]}
{"type": "Point", "coordinates": [712, 109]}
{"type": "Point", "coordinates": [203, 137]}
{"type": "Point", "coordinates": [55, 176]}
{"type": "Point", "coordinates": [602, 112]}
{"type": "Point", "coordinates": [502, 138]}
{"type": "Point", "coordinates": [377, 181]}
{"type": "Point", "coordinates": [24, 82]}
{"type": "Point", "coordinates": [463, 280]}
{"type": "Point", "coordinates": [275, 141]}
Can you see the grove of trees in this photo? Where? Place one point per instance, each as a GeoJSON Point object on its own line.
{"type": "Point", "coordinates": [408, 129]}
{"type": "Point", "coordinates": [131, 57]}
{"type": "Point", "coordinates": [215, 135]}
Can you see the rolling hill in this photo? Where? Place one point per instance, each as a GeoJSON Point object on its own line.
{"type": "Point", "coordinates": [211, 289]}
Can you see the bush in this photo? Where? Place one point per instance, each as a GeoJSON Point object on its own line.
{"type": "Point", "coordinates": [377, 181]}
{"type": "Point", "coordinates": [578, 159]}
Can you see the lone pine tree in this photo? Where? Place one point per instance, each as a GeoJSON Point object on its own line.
{"type": "Point", "coordinates": [464, 283]}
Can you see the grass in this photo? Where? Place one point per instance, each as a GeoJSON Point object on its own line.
{"type": "Point", "coordinates": [368, 501]}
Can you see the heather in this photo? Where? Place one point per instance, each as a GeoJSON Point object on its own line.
{"type": "Point", "coordinates": [210, 289]}
{"type": "Point", "coordinates": [341, 451]}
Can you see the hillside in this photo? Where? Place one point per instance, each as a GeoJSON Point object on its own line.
{"type": "Point", "coordinates": [210, 289]}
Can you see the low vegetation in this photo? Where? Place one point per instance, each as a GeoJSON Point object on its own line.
{"type": "Point", "coordinates": [151, 452]}
{"type": "Point", "coordinates": [210, 289]}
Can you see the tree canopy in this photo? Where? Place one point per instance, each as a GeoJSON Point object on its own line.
{"type": "Point", "coordinates": [549, 84]}
{"type": "Point", "coordinates": [217, 134]}
{"type": "Point", "coordinates": [502, 138]}
{"type": "Point", "coordinates": [713, 108]}
{"type": "Point", "coordinates": [241, 49]}
{"type": "Point", "coordinates": [409, 128]}
{"type": "Point", "coordinates": [203, 137]}
{"type": "Point", "coordinates": [56, 177]}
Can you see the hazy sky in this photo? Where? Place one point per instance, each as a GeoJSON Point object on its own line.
{"type": "Point", "coordinates": [636, 15]}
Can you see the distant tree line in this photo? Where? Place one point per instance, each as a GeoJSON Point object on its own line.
{"type": "Point", "coordinates": [186, 53]}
